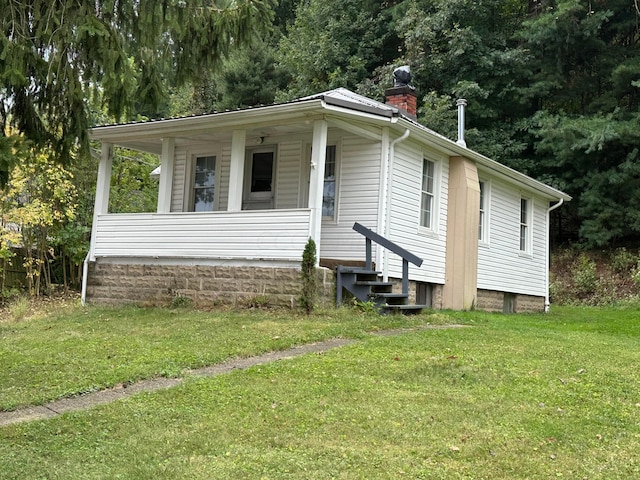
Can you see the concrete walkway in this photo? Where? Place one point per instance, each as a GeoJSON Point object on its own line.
{"type": "Point", "coordinates": [89, 400]}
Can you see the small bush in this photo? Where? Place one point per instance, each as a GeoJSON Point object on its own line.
{"type": "Point", "coordinates": [635, 275]}
{"type": "Point", "coordinates": [622, 260]}
{"type": "Point", "coordinates": [260, 301]}
{"type": "Point", "coordinates": [19, 308]}
{"type": "Point", "coordinates": [181, 301]}
{"type": "Point", "coordinates": [308, 294]}
{"type": "Point", "coordinates": [585, 277]}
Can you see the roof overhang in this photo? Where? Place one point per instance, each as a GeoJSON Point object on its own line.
{"type": "Point", "coordinates": [341, 104]}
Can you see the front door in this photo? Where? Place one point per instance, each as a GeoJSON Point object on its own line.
{"type": "Point", "coordinates": [259, 175]}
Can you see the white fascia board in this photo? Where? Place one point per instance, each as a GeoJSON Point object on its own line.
{"type": "Point", "coordinates": [485, 164]}
{"type": "Point", "coordinates": [205, 123]}
{"type": "Point", "coordinates": [380, 120]}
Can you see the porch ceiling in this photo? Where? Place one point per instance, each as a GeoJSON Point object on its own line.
{"type": "Point", "coordinates": [183, 139]}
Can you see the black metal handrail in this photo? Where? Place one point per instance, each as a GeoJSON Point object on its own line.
{"type": "Point", "coordinates": [407, 256]}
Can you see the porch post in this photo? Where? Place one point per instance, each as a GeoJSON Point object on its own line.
{"type": "Point", "coordinates": [104, 179]}
{"type": "Point", "coordinates": [101, 204]}
{"type": "Point", "coordinates": [236, 173]}
{"type": "Point", "coordinates": [166, 175]}
{"type": "Point", "coordinates": [316, 180]}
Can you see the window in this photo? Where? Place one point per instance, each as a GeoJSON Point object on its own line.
{"type": "Point", "coordinates": [329, 190]}
{"type": "Point", "coordinates": [204, 184]}
{"type": "Point", "coordinates": [482, 223]}
{"type": "Point", "coordinates": [259, 175]}
{"type": "Point", "coordinates": [428, 193]}
{"type": "Point", "coordinates": [525, 227]}
{"type": "Point", "coordinates": [262, 171]}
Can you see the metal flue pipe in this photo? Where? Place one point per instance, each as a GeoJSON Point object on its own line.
{"type": "Point", "coordinates": [461, 103]}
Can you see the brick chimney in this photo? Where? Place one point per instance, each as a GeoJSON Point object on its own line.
{"type": "Point", "coordinates": [402, 95]}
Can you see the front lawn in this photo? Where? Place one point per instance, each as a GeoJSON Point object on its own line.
{"type": "Point", "coordinates": [73, 350]}
{"type": "Point", "coordinates": [511, 397]}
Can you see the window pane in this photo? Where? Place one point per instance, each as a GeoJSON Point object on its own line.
{"type": "Point", "coordinates": [205, 171]}
{"type": "Point", "coordinates": [425, 214]}
{"type": "Point", "coordinates": [428, 188]}
{"type": "Point", "coordinates": [524, 224]}
{"type": "Point", "coordinates": [523, 211]}
{"type": "Point", "coordinates": [203, 199]}
{"type": "Point", "coordinates": [328, 199]}
{"type": "Point", "coordinates": [430, 176]}
{"type": "Point", "coordinates": [204, 184]}
{"type": "Point", "coordinates": [329, 189]}
{"type": "Point", "coordinates": [262, 172]}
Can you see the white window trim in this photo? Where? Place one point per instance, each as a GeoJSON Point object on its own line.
{"type": "Point", "coordinates": [486, 231]}
{"type": "Point", "coordinates": [190, 178]}
{"type": "Point", "coordinates": [528, 247]}
{"type": "Point", "coordinates": [248, 162]}
{"type": "Point", "coordinates": [305, 172]}
{"type": "Point", "coordinates": [437, 178]}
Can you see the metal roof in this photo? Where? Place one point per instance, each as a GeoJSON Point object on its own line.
{"type": "Point", "coordinates": [339, 100]}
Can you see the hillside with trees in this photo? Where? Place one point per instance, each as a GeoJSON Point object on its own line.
{"type": "Point", "coordinates": [553, 87]}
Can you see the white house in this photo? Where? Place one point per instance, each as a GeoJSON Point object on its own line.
{"type": "Point", "coordinates": [241, 192]}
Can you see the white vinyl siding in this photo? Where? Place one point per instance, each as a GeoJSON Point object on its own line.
{"type": "Point", "coordinates": [502, 265]}
{"type": "Point", "coordinates": [357, 198]}
{"type": "Point", "coordinates": [225, 169]}
{"type": "Point", "coordinates": [288, 174]}
{"type": "Point", "coordinates": [268, 235]}
{"type": "Point", "coordinates": [179, 181]}
{"type": "Point", "coordinates": [406, 202]}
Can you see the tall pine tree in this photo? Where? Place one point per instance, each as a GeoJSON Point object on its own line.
{"type": "Point", "coordinates": [56, 54]}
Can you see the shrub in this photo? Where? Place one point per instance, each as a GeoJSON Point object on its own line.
{"type": "Point", "coordinates": [622, 260]}
{"type": "Point", "coordinates": [181, 301]}
{"type": "Point", "coordinates": [635, 275]}
{"type": "Point", "coordinates": [585, 278]}
{"type": "Point", "coordinates": [308, 295]}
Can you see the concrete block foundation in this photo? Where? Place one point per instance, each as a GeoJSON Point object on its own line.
{"type": "Point", "coordinates": [158, 285]}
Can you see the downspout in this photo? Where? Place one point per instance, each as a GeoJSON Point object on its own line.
{"type": "Point", "coordinates": [85, 274]}
{"type": "Point", "coordinates": [382, 195]}
{"type": "Point", "coordinates": [389, 188]}
{"type": "Point", "coordinates": [547, 303]}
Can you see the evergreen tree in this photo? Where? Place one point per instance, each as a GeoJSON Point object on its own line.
{"type": "Point", "coordinates": [336, 43]}
{"type": "Point", "coordinates": [586, 132]}
{"type": "Point", "coordinates": [308, 275]}
{"type": "Point", "coordinates": [54, 55]}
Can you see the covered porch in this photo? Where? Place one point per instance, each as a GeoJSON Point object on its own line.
{"type": "Point", "coordinates": [246, 222]}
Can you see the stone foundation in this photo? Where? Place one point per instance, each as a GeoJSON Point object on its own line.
{"type": "Point", "coordinates": [146, 284]}
{"type": "Point", "coordinates": [436, 292]}
{"type": "Point", "coordinates": [493, 301]}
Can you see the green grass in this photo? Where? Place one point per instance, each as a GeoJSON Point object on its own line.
{"type": "Point", "coordinates": [78, 350]}
{"type": "Point", "coordinates": [513, 397]}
